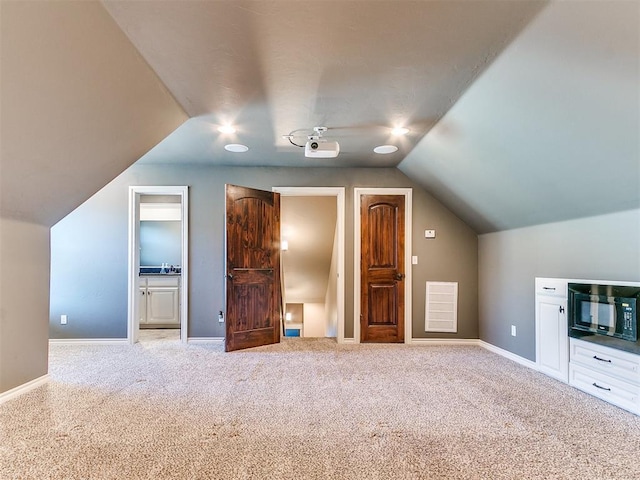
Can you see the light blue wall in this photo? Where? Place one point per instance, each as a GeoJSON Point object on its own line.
{"type": "Point", "coordinates": [160, 242]}
{"type": "Point", "coordinates": [89, 247]}
{"type": "Point", "coordinates": [605, 247]}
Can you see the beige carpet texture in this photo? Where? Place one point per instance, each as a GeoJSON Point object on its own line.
{"type": "Point", "coordinates": [308, 409]}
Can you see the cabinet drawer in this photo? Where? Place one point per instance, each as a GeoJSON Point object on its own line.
{"type": "Point", "coordinates": [556, 287]}
{"type": "Point", "coordinates": [163, 281]}
{"type": "Point", "coordinates": [609, 361]}
{"type": "Point", "coordinates": [622, 394]}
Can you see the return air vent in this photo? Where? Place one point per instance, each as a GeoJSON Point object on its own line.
{"type": "Point", "coordinates": [441, 311]}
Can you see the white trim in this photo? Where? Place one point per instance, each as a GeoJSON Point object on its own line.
{"type": "Point", "coordinates": [507, 354]}
{"type": "Point", "coordinates": [339, 193]}
{"type": "Point", "coordinates": [204, 340]}
{"type": "Point", "coordinates": [89, 341]}
{"type": "Point", "coordinates": [134, 256]}
{"type": "Point", "coordinates": [351, 341]}
{"type": "Point", "coordinates": [408, 216]}
{"type": "Point", "coordinates": [445, 341]}
{"type": "Point", "coordinates": [24, 388]}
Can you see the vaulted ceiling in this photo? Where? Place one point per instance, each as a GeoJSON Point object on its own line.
{"type": "Point", "coordinates": [520, 112]}
{"type": "Point", "coordinates": [274, 67]}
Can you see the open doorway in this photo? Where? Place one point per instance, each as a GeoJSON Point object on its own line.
{"type": "Point", "coordinates": [312, 235]}
{"type": "Point", "coordinates": [158, 261]}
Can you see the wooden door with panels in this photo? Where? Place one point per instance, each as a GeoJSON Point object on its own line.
{"type": "Point", "coordinates": [253, 290]}
{"type": "Point", "coordinates": [382, 268]}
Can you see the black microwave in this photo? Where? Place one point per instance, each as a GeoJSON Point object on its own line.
{"type": "Point", "coordinates": [610, 310]}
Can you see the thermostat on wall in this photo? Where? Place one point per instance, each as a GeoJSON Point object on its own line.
{"type": "Point", "coordinates": [429, 234]}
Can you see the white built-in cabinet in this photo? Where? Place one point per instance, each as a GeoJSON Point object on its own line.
{"type": "Point", "coordinates": [160, 301]}
{"type": "Point", "coordinates": [552, 339]}
{"type": "Point", "coordinates": [607, 373]}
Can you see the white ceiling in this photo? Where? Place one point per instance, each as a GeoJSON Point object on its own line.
{"type": "Point", "coordinates": [272, 67]}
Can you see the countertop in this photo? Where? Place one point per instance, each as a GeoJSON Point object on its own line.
{"type": "Point", "coordinates": [146, 271]}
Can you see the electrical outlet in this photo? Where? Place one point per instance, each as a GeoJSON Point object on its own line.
{"type": "Point", "coordinates": [513, 330]}
{"type": "Point", "coordinates": [63, 319]}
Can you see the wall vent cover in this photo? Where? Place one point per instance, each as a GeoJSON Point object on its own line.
{"type": "Point", "coordinates": [441, 311]}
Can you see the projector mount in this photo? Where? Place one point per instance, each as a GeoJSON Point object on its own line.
{"type": "Point", "coordinates": [317, 146]}
{"type": "Point", "coordinates": [317, 135]}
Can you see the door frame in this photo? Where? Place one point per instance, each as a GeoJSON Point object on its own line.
{"type": "Point", "coordinates": [339, 193]}
{"type": "Point", "coordinates": [357, 239]}
{"type": "Point", "coordinates": [133, 322]}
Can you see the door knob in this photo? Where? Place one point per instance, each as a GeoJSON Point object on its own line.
{"type": "Point", "coordinates": [399, 276]}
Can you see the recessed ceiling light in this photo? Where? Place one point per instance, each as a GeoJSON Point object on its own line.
{"type": "Point", "coordinates": [226, 129]}
{"type": "Point", "coordinates": [400, 131]}
{"type": "Point", "coordinates": [384, 149]}
{"type": "Point", "coordinates": [236, 148]}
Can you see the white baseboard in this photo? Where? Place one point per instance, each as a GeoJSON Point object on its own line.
{"type": "Point", "coordinates": [24, 388]}
{"type": "Point", "coordinates": [202, 340]}
{"type": "Point", "coordinates": [443, 341]}
{"type": "Point", "coordinates": [88, 341]}
{"type": "Point", "coordinates": [507, 354]}
{"type": "Point", "coordinates": [351, 341]}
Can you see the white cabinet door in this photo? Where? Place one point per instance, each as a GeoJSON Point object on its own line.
{"type": "Point", "coordinates": [552, 344]}
{"type": "Point", "coordinates": [162, 305]}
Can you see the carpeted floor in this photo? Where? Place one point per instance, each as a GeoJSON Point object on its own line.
{"type": "Point", "coordinates": [308, 409]}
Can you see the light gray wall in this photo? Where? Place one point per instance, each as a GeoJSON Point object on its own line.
{"type": "Point", "coordinates": [605, 247]}
{"type": "Point", "coordinates": [24, 302]}
{"type": "Point", "coordinates": [94, 295]}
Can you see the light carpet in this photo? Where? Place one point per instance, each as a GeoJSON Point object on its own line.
{"type": "Point", "coordinates": [307, 409]}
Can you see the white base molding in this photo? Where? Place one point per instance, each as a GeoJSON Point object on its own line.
{"type": "Point", "coordinates": [351, 341]}
{"type": "Point", "coordinates": [88, 341]}
{"type": "Point", "coordinates": [204, 340]}
{"type": "Point", "coordinates": [24, 388]}
{"type": "Point", "coordinates": [443, 341]}
{"type": "Point", "coordinates": [508, 354]}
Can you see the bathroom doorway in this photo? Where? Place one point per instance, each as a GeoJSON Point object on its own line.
{"type": "Point", "coordinates": [158, 261]}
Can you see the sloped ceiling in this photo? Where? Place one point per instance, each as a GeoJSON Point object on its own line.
{"type": "Point", "coordinates": [550, 131]}
{"type": "Point", "coordinates": [536, 103]}
{"type": "Point", "coordinates": [79, 105]}
{"type": "Point", "coordinates": [274, 67]}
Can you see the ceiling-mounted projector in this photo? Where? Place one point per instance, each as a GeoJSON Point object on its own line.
{"type": "Point", "coordinates": [318, 147]}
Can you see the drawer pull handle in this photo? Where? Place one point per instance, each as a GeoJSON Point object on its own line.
{"type": "Point", "coordinates": [601, 388]}
{"type": "Point", "coordinates": [601, 359]}
{"type": "Point", "coordinates": [549, 288]}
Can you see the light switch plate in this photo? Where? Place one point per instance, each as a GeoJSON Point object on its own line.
{"type": "Point", "coordinates": [414, 260]}
{"type": "Point", "coordinates": [429, 234]}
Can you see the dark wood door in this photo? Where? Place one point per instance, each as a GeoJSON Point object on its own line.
{"type": "Point", "coordinates": [253, 268]}
{"type": "Point", "coordinates": [382, 268]}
